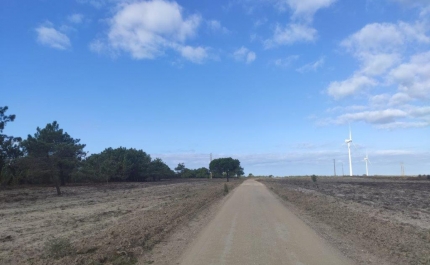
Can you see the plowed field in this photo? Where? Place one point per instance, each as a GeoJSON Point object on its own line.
{"type": "Point", "coordinates": [373, 221]}
{"type": "Point", "coordinates": [97, 224]}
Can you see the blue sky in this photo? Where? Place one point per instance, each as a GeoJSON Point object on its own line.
{"type": "Point", "coordinates": [273, 83]}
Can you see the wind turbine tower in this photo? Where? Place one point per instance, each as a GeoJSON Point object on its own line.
{"type": "Point", "coordinates": [349, 142]}
{"type": "Point", "coordinates": [366, 159]}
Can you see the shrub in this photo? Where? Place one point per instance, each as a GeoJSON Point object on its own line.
{"type": "Point", "coordinates": [58, 248]}
{"type": "Point", "coordinates": [314, 178]}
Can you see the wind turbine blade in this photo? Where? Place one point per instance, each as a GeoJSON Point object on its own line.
{"type": "Point", "coordinates": [350, 134]}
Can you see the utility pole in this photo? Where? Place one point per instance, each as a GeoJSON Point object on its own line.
{"type": "Point", "coordinates": [334, 165]}
{"type": "Point", "coordinates": [343, 175]}
{"type": "Point", "coordinates": [210, 160]}
{"type": "Point", "coordinates": [402, 169]}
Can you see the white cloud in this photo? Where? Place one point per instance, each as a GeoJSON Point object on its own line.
{"type": "Point", "coordinates": [286, 62]}
{"type": "Point", "coordinates": [312, 66]}
{"type": "Point", "coordinates": [379, 100]}
{"type": "Point", "coordinates": [383, 50]}
{"type": "Point", "coordinates": [244, 54]}
{"type": "Point", "coordinates": [291, 34]}
{"type": "Point", "coordinates": [413, 77]}
{"type": "Point", "coordinates": [419, 112]}
{"type": "Point", "coordinates": [377, 64]}
{"type": "Point", "coordinates": [399, 99]}
{"type": "Point", "coordinates": [385, 37]}
{"type": "Point", "coordinates": [98, 46]}
{"type": "Point", "coordinates": [373, 117]}
{"type": "Point", "coordinates": [347, 108]}
{"type": "Point", "coordinates": [403, 125]}
{"type": "Point", "coordinates": [215, 26]}
{"type": "Point", "coordinates": [250, 57]}
{"type": "Point", "coordinates": [350, 86]}
{"type": "Point", "coordinates": [374, 37]}
{"type": "Point", "coordinates": [305, 9]}
{"type": "Point", "coordinates": [193, 54]}
{"type": "Point", "coordinates": [148, 29]}
{"type": "Point", "coordinates": [76, 18]}
{"type": "Point", "coordinates": [403, 116]}
{"type": "Point", "coordinates": [94, 3]}
{"type": "Point", "coordinates": [300, 29]}
{"type": "Point", "coordinates": [49, 36]}
{"type": "Point", "coordinates": [260, 22]}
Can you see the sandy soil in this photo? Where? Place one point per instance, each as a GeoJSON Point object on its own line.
{"type": "Point", "coordinates": [106, 224]}
{"type": "Point", "coordinates": [372, 221]}
{"type": "Point", "coordinates": [254, 227]}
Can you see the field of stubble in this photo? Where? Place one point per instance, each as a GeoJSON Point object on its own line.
{"type": "Point", "coordinates": [104, 224]}
{"type": "Point", "coordinates": [373, 221]}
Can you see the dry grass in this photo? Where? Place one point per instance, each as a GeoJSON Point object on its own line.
{"type": "Point", "coordinates": [105, 224]}
{"type": "Point", "coordinates": [386, 220]}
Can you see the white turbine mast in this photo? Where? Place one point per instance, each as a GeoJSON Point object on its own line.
{"type": "Point", "coordinates": [366, 159]}
{"type": "Point", "coordinates": [349, 142]}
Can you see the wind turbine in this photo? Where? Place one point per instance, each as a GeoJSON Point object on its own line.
{"type": "Point", "coordinates": [348, 142]}
{"type": "Point", "coordinates": [366, 159]}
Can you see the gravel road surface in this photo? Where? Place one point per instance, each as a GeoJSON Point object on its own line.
{"type": "Point", "coordinates": [254, 227]}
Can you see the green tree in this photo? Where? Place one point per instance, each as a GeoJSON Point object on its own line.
{"type": "Point", "coordinates": [225, 165]}
{"type": "Point", "coordinates": [9, 149]}
{"type": "Point", "coordinates": [180, 169]}
{"type": "Point", "coordinates": [196, 173]}
{"type": "Point", "coordinates": [239, 172]}
{"type": "Point", "coordinates": [202, 172]}
{"type": "Point", "coordinates": [119, 164]}
{"type": "Point", "coordinates": [188, 173]}
{"type": "Point", "coordinates": [51, 155]}
{"type": "Point", "coordinates": [158, 169]}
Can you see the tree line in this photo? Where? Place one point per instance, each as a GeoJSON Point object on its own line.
{"type": "Point", "coordinates": [52, 156]}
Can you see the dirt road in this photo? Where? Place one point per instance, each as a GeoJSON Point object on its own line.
{"type": "Point", "coordinates": [254, 227]}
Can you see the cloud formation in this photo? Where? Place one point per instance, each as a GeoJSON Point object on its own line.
{"type": "Point", "coordinates": [395, 57]}
{"type": "Point", "coordinates": [49, 36]}
{"type": "Point", "coordinates": [215, 26]}
{"type": "Point", "coordinates": [76, 18]}
{"type": "Point", "coordinates": [148, 29]}
{"type": "Point", "coordinates": [312, 66]}
{"type": "Point", "coordinates": [350, 86]}
{"type": "Point", "coordinates": [305, 9]}
{"type": "Point", "coordinates": [299, 30]}
{"type": "Point", "coordinates": [287, 61]}
{"type": "Point", "coordinates": [243, 54]}
{"type": "Point", "coordinates": [290, 34]}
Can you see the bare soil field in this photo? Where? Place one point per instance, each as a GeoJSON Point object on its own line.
{"type": "Point", "coordinates": [372, 221]}
{"type": "Point", "coordinates": [111, 223]}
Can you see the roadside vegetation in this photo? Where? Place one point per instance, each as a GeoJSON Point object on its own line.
{"type": "Point", "coordinates": [52, 156]}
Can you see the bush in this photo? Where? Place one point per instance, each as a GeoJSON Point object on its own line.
{"type": "Point", "coordinates": [314, 178]}
{"type": "Point", "coordinates": [58, 248]}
